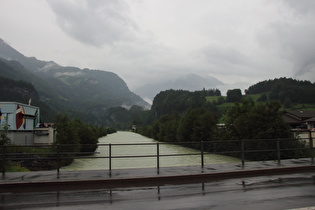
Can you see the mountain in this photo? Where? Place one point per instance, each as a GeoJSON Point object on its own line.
{"type": "Point", "coordinates": [9, 53]}
{"type": "Point", "coordinates": [82, 93]}
{"type": "Point", "coordinates": [189, 82]}
{"type": "Point", "coordinates": [21, 91]}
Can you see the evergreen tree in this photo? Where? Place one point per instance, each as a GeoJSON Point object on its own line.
{"type": "Point", "coordinates": [88, 137]}
{"type": "Point", "coordinates": [67, 136]}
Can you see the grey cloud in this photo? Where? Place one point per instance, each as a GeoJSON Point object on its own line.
{"type": "Point", "coordinates": [298, 46]}
{"type": "Point", "coordinates": [94, 22]}
{"type": "Point", "coordinates": [293, 37]}
{"type": "Point", "coordinates": [225, 58]}
{"type": "Point", "coordinates": [301, 6]}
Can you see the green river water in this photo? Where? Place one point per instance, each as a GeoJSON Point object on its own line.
{"type": "Point", "coordinates": [123, 137]}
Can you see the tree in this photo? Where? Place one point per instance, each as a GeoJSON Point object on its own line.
{"type": "Point", "coordinates": [169, 101]}
{"type": "Point", "coordinates": [287, 102]}
{"type": "Point", "coordinates": [4, 131]}
{"type": "Point", "coordinates": [220, 100]}
{"type": "Point", "coordinates": [4, 139]}
{"type": "Point", "coordinates": [247, 120]}
{"type": "Point", "coordinates": [197, 125]}
{"type": "Point", "coordinates": [281, 88]}
{"type": "Point", "coordinates": [263, 97]}
{"type": "Point", "coordinates": [67, 137]}
{"type": "Point", "coordinates": [88, 137]}
{"type": "Point", "coordinates": [234, 95]}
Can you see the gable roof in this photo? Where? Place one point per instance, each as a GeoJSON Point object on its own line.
{"type": "Point", "coordinates": [299, 116]}
{"type": "Point", "coordinates": [310, 120]}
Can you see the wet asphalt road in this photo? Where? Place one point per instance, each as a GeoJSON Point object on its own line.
{"type": "Point", "coordinates": [266, 192]}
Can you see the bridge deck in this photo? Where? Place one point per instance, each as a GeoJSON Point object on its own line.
{"type": "Point", "coordinates": [68, 180]}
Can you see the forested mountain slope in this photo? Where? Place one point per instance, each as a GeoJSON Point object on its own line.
{"type": "Point", "coordinates": [285, 89]}
{"type": "Point", "coordinates": [21, 91]}
{"type": "Point", "coordinates": [81, 93]}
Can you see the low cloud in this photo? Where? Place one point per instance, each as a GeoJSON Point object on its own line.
{"type": "Point", "coordinates": [144, 41]}
{"type": "Point", "coordinates": [293, 37]}
{"type": "Point", "coordinates": [226, 58]}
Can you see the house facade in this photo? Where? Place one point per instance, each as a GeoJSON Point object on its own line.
{"type": "Point", "coordinates": [299, 119]}
{"type": "Point", "coordinates": [23, 123]}
{"type": "Point", "coordinates": [302, 124]}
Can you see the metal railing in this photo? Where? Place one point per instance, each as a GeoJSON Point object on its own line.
{"type": "Point", "coordinates": [59, 153]}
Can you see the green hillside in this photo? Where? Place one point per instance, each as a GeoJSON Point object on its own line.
{"type": "Point", "coordinates": [292, 94]}
{"type": "Point", "coordinates": [21, 91]}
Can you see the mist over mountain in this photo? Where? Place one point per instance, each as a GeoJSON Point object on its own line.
{"type": "Point", "coordinates": [189, 82]}
{"type": "Point", "coordinates": [30, 63]}
{"type": "Point", "coordinates": [82, 93]}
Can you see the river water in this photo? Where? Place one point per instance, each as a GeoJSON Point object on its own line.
{"type": "Point", "coordinates": [118, 143]}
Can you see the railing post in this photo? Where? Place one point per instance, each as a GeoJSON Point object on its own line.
{"type": "Point", "coordinates": [3, 160]}
{"type": "Point", "coordinates": [158, 157]}
{"type": "Point", "coordinates": [202, 155]}
{"type": "Point", "coordinates": [278, 151]}
{"type": "Point", "coordinates": [58, 161]}
{"type": "Point", "coordinates": [110, 159]}
{"type": "Point", "coordinates": [243, 152]}
{"type": "Point", "coordinates": [311, 146]}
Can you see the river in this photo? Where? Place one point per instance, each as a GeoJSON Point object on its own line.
{"type": "Point", "coordinates": [118, 149]}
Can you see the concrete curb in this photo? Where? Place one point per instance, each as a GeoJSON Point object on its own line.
{"type": "Point", "coordinates": [110, 183]}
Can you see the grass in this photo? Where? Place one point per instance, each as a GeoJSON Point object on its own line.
{"type": "Point", "coordinates": [255, 97]}
{"type": "Point", "coordinates": [15, 167]}
{"type": "Point", "coordinates": [16, 151]}
{"type": "Point", "coordinates": [225, 105]}
{"type": "Point", "coordinates": [29, 150]}
{"type": "Point", "coordinates": [303, 107]}
{"type": "Point", "coordinates": [213, 98]}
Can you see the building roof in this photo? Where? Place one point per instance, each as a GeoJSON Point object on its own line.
{"type": "Point", "coordinates": [11, 102]}
{"type": "Point", "coordinates": [299, 116]}
{"type": "Point", "coordinates": [291, 120]}
{"type": "Point", "coordinates": [302, 114]}
{"type": "Point", "coordinates": [310, 120]}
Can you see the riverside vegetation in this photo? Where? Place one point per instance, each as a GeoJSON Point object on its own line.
{"type": "Point", "coordinates": [184, 116]}
{"type": "Point", "coordinates": [74, 137]}
{"type": "Point", "coordinates": [102, 99]}
{"type": "Point", "coordinates": [245, 120]}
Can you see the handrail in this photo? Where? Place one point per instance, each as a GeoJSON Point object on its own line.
{"type": "Point", "coordinates": [58, 155]}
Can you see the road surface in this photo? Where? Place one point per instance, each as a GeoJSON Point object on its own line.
{"type": "Point", "coordinates": [267, 192]}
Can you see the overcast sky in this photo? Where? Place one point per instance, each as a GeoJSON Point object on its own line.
{"type": "Point", "coordinates": [235, 41]}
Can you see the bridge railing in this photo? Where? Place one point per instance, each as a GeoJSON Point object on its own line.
{"type": "Point", "coordinates": [54, 156]}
